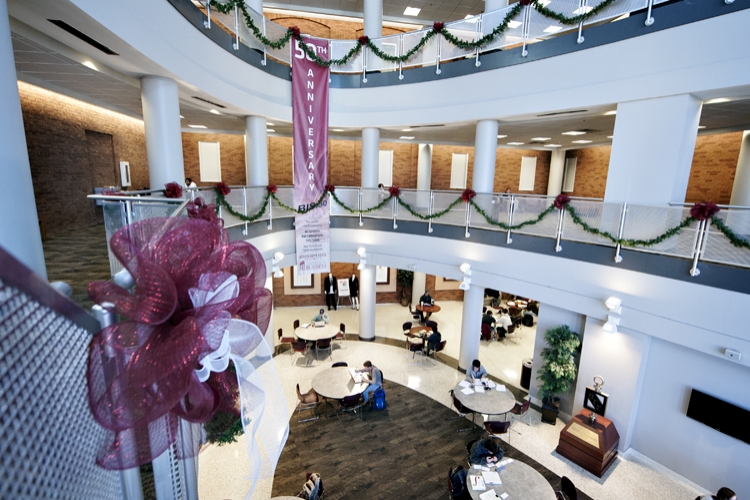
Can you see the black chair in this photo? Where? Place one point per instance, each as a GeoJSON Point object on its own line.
{"type": "Point", "coordinates": [307, 402]}
{"type": "Point", "coordinates": [299, 346]}
{"type": "Point", "coordinates": [431, 324]}
{"type": "Point", "coordinates": [568, 488]}
{"type": "Point", "coordinates": [341, 336]}
{"type": "Point", "coordinates": [496, 429]}
{"type": "Point", "coordinates": [415, 347]}
{"type": "Point", "coordinates": [323, 345]}
{"type": "Point", "coordinates": [284, 340]}
{"type": "Point", "coordinates": [438, 348]}
{"type": "Point", "coordinates": [339, 363]}
{"type": "Point", "coordinates": [512, 331]}
{"type": "Point", "coordinates": [462, 412]}
{"type": "Point", "coordinates": [350, 404]}
{"type": "Point", "coordinates": [521, 410]}
{"type": "Point", "coordinates": [296, 324]}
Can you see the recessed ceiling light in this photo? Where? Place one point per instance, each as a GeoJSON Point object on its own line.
{"type": "Point", "coordinates": [90, 65]}
{"type": "Point", "coordinates": [583, 10]}
{"type": "Point", "coordinates": [411, 11]}
{"type": "Point", "coordinates": [574, 132]}
{"type": "Point", "coordinates": [541, 138]}
{"type": "Point", "coordinates": [337, 130]}
{"type": "Point", "coordinates": [182, 117]}
{"type": "Point", "coordinates": [196, 126]}
{"type": "Point", "coordinates": [701, 126]}
{"type": "Point", "coordinates": [514, 143]}
{"type": "Point", "coordinates": [582, 142]}
{"type": "Point", "coordinates": [213, 111]}
{"type": "Point", "coordinates": [552, 29]}
{"type": "Point", "coordinates": [270, 130]}
{"type": "Point", "coordinates": [471, 18]}
{"type": "Point", "coordinates": [610, 137]}
{"type": "Point", "coordinates": [514, 24]}
{"type": "Point", "coordinates": [710, 101]}
{"type": "Point", "coordinates": [406, 130]}
{"type": "Point", "coordinates": [552, 145]}
{"type": "Point", "coordinates": [502, 136]}
{"type": "Point", "coordinates": [610, 113]}
{"type": "Point", "coordinates": [545, 2]}
{"type": "Point", "coordinates": [407, 137]}
{"type": "Point", "coordinates": [269, 124]}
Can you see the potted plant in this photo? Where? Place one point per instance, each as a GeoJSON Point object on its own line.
{"type": "Point", "coordinates": [559, 369]}
{"type": "Point", "coordinates": [405, 279]}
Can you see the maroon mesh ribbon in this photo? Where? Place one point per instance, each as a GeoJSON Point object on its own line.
{"type": "Point", "coordinates": [141, 371]}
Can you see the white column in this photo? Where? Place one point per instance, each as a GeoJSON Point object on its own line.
{"type": "Point", "coordinates": [256, 5]}
{"type": "Point", "coordinates": [374, 18]}
{"type": "Point", "coordinates": [19, 225]}
{"type": "Point", "coordinates": [417, 287]}
{"type": "Point", "coordinates": [424, 166]}
{"type": "Point", "coordinates": [471, 326]}
{"type": "Point", "coordinates": [367, 303]}
{"type": "Point", "coordinates": [161, 120]}
{"type": "Point", "coordinates": [652, 150]}
{"type": "Point", "coordinates": [490, 5]}
{"type": "Point", "coordinates": [556, 172]}
{"type": "Point", "coordinates": [741, 187]}
{"type": "Point", "coordinates": [256, 150]}
{"type": "Point", "coordinates": [485, 153]}
{"type": "Point", "coordinates": [370, 154]}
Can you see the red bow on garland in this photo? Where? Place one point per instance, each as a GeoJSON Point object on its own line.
{"type": "Point", "coordinates": [703, 211]}
{"type": "Point", "coordinates": [394, 191]}
{"type": "Point", "coordinates": [561, 200]}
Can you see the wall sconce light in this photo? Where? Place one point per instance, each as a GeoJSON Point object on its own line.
{"type": "Point", "coordinates": [362, 258]}
{"type": "Point", "coordinates": [466, 269]}
{"type": "Point", "coordinates": [611, 325]}
{"type": "Point", "coordinates": [614, 305]}
{"type": "Point", "coordinates": [277, 257]}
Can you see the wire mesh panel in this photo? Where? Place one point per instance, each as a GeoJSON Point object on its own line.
{"type": "Point", "coordinates": [374, 197]}
{"type": "Point", "coordinates": [426, 56]}
{"type": "Point", "coordinates": [597, 215]}
{"type": "Point", "coordinates": [114, 219]}
{"type": "Point", "coordinates": [457, 215]}
{"type": "Point", "coordinates": [286, 196]}
{"type": "Point", "coordinates": [645, 222]}
{"type": "Point", "coordinates": [149, 210]}
{"type": "Point", "coordinates": [349, 197]}
{"type": "Point", "coordinates": [615, 9]}
{"type": "Point", "coordinates": [273, 33]}
{"type": "Point", "coordinates": [496, 208]}
{"type": "Point", "coordinates": [247, 37]}
{"type": "Point", "coordinates": [529, 208]}
{"type": "Point", "coordinates": [541, 26]}
{"type": "Point", "coordinates": [465, 30]}
{"type": "Point", "coordinates": [388, 44]}
{"type": "Point", "coordinates": [512, 35]}
{"type": "Point", "coordinates": [48, 438]}
{"type": "Point", "coordinates": [226, 21]}
{"type": "Point", "coordinates": [236, 200]}
{"type": "Point", "coordinates": [719, 248]}
{"type": "Point", "coordinates": [339, 48]}
{"type": "Point", "coordinates": [255, 197]}
{"type": "Point", "coordinates": [419, 201]}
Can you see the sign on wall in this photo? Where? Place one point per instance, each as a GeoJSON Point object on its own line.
{"type": "Point", "coordinates": [310, 147]}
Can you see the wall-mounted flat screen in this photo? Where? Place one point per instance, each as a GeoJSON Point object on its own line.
{"type": "Point", "coordinates": [720, 415]}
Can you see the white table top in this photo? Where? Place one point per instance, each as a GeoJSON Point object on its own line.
{"type": "Point", "coordinates": [490, 402]}
{"type": "Point", "coordinates": [519, 481]}
{"type": "Point", "coordinates": [317, 333]}
{"type": "Point", "coordinates": [336, 383]}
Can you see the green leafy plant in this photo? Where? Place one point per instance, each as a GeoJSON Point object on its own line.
{"type": "Point", "coordinates": [559, 370]}
{"type": "Point", "coordinates": [405, 279]}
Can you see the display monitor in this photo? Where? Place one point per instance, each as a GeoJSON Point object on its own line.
{"type": "Point", "coordinates": [720, 415]}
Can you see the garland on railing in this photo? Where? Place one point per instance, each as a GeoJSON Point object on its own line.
{"type": "Point", "coordinates": [437, 28]}
{"type": "Point", "coordinates": [699, 212]}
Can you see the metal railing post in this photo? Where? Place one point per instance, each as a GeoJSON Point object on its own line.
{"type": "Point", "coordinates": [129, 212]}
{"type": "Point", "coordinates": [430, 209]}
{"type": "Point", "coordinates": [207, 22]}
{"type": "Point", "coordinates": [394, 209]}
{"type": "Point", "coordinates": [236, 44]}
{"type": "Point", "coordinates": [270, 214]}
{"type": "Point", "coordinates": [511, 211]}
{"type": "Point", "coordinates": [698, 247]}
{"type": "Point", "coordinates": [438, 54]}
{"type": "Point", "coordinates": [649, 18]}
{"type": "Point", "coordinates": [364, 64]}
{"type": "Point", "coordinates": [244, 208]}
{"type": "Point", "coordinates": [477, 63]}
{"type": "Point", "coordinates": [582, 6]}
{"type": "Point", "coordinates": [265, 52]}
{"type": "Point", "coordinates": [359, 206]}
{"type": "Point", "coordinates": [620, 232]}
{"type": "Point", "coordinates": [400, 53]}
{"type": "Point", "coordinates": [560, 218]}
{"type": "Point", "coordinates": [468, 220]}
{"type": "Point", "coordinates": [526, 16]}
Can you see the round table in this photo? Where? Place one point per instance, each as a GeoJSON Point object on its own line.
{"type": "Point", "coordinates": [336, 383]}
{"type": "Point", "coordinates": [519, 481]}
{"type": "Point", "coordinates": [428, 309]}
{"type": "Point", "coordinates": [491, 402]}
{"type": "Point", "coordinates": [313, 334]}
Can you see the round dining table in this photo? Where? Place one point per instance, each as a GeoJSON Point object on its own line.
{"type": "Point", "coordinates": [315, 333]}
{"type": "Point", "coordinates": [519, 481]}
{"type": "Point", "coordinates": [488, 402]}
{"type": "Point", "coordinates": [428, 309]}
{"type": "Point", "coordinates": [336, 383]}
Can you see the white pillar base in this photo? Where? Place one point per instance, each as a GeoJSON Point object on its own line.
{"type": "Point", "coordinates": [367, 304]}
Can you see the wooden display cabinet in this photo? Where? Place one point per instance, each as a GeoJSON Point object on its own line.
{"type": "Point", "coordinates": [593, 447]}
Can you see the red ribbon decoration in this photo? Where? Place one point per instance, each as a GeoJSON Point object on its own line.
{"type": "Point", "coordinates": [223, 188]}
{"type": "Point", "coordinates": [437, 26]}
{"type": "Point", "coordinates": [141, 371]}
{"type": "Point", "coordinates": [394, 191]}
{"type": "Point", "coordinates": [468, 194]}
{"type": "Point", "coordinates": [703, 211]}
{"type": "Point", "coordinates": [295, 31]}
{"type": "Point", "coordinates": [363, 40]}
{"type": "Point", "coordinates": [271, 188]}
{"type": "Point", "coordinates": [330, 188]}
{"type": "Point", "coordinates": [200, 210]}
{"type": "Point", "coordinates": [173, 190]}
{"type": "Point", "coordinates": [561, 200]}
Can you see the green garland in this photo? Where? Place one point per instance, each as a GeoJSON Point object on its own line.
{"type": "Point", "coordinates": [226, 8]}
{"type": "Point", "coordinates": [511, 227]}
{"type": "Point", "coordinates": [733, 238]}
{"type": "Point", "coordinates": [310, 207]}
{"type": "Point", "coordinates": [430, 216]}
{"type": "Point", "coordinates": [570, 20]}
{"type": "Point", "coordinates": [358, 211]}
{"type": "Point", "coordinates": [489, 37]}
{"type": "Point", "coordinates": [222, 202]}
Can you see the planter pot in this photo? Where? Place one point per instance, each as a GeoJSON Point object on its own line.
{"type": "Point", "coordinates": [550, 409]}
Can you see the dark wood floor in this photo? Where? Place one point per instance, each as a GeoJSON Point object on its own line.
{"type": "Point", "coordinates": [403, 452]}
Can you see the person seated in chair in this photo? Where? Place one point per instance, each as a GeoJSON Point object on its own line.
{"type": "Point", "coordinates": [372, 375]}
{"type": "Point", "coordinates": [321, 316]}
{"type": "Point", "coordinates": [503, 322]}
{"type": "Point", "coordinates": [433, 340]}
{"type": "Point", "coordinates": [476, 371]}
{"type": "Point", "coordinates": [485, 452]}
{"type": "Point", "coordinates": [425, 300]}
{"type": "Point", "coordinates": [489, 319]}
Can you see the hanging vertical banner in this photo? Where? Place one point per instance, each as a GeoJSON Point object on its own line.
{"type": "Point", "coordinates": [310, 148]}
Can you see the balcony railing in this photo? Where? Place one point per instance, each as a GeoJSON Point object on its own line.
{"type": "Point", "coordinates": [598, 223]}
{"type": "Point", "coordinates": [529, 26]}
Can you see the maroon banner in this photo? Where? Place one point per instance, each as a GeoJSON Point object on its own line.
{"type": "Point", "coordinates": [310, 152]}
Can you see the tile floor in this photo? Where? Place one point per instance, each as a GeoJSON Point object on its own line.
{"type": "Point", "coordinates": [222, 469]}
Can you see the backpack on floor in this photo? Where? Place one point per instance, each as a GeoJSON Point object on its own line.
{"type": "Point", "coordinates": [528, 320]}
{"type": "Point", "coordinates": [378, 400]}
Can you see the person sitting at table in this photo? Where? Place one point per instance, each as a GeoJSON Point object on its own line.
{"type": "Point", "coordinates": [489, 319]}
{"type": "Point", "coordinates": [476, 371]}
{"type": "Point", "coordinates": [425, 300]}
{"type": "Point", "coordinates": [503, 322]}
{"type": "Point", "coordinates": [724, 493]}
{"type": "Point", "coordinates": [321, 316]}
{"type": "Point", "coordinates": [433, 340]}
{"type": "Point", "coordinates": [485, 452]}
{"type": "Point", "coordinates": [372, 375]}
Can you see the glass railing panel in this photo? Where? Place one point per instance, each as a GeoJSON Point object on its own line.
{"type": "Point", "coordinates": [286, 196]}
{"type": "Point", "coordinates": [418, 201]}
{"type": "Point", "coordinates": [374, 197]}
{"type": "Point", "coordinates": [456, 216]}
{"type": "Point", "coordinates": [494, 206]}
{"type": "Point", "coordinates": [349, 196]}
{"type": "Point", "coordinates": [512, 35]}
{"type": "Point", "coordinates": [223, 21]}
{"type": "Point", "coordinates": [274, 32]}
{"type": "Point", "coordinates": [541, 26]}
{"type": "Point", "coordinates": [465, 30]}
{"type": "Point", "coordinates": [647, 222]}
{"type": "Point", "coordinates": [425, 56]}
{"type": "Point", "coordinates": [234, 199]}
{"type": "Point", "coordinates": [148, 210]}
{"type": "Point", "coordinates": [597, 215]}
{"type": "Point", "coordinates": [114, 219]}
{"type": "Point", "coordinates": [528, 208]}
{"type": "Point", "coordinates": [247, 37]}
{"type": "Point", "coordinates": [719, 248]}
{"type": "Point", "coordinates": [391, 46]}
{"type": "Point", "coordinates": [339, 48]}
{"type": "Point", "coordinates": [614, 10]}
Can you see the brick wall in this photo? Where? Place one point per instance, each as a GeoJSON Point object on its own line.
{"type": "Point", "coordinates": [439, 295]}
{"type": "Point", "coordinates": [591, 171]}
{"type": "Point", "coordinates": [713, 169]}
{"type": "Point", "coordinates": [231, 150]}
{"type": "Point", "coordinates": [327, 28]}
{"type": "Point", "coordinates": [56, 137]}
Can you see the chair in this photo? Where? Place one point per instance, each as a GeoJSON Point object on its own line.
{"type": "Point", "coordinates": [431, 324]}
{"type": "Point", "coordinates": [350, 404]}
{"type": "Point", "coordinates": [339, 363]}
{"type": "Point", "coordinates": [323, 345]}
{"type": "Point", "coordinates": [320, 482]}
{"type": "Point", "coordinates": [496, 429]}
{"type": "Point", "coordinates": [307, 402]}
{"type": "Point", "coordinates": [415, 347]}
{"type": "Point", "coordinates": [284, 340]}
{"type": "Point", "coordinates": [299, 346]}
{"type": "Point", "coordinates": [438, 348]}
{"type": "Point", "coordinates": [414, 313]}
{"type": "Point", "coordinates": [511, 331]}
{"type": "Point", "coordinates": [521, 410]}
{"type": "Point", "coordinates": [486, 332]}
{"type": "Point", "coordinates": [341, 336]}
{"type": "Point", "coordinates": [296, 324]}
{"type": "Point", "coordinates": [462, 412]}
{"type": "Point", "coordinates": [568, 488]}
